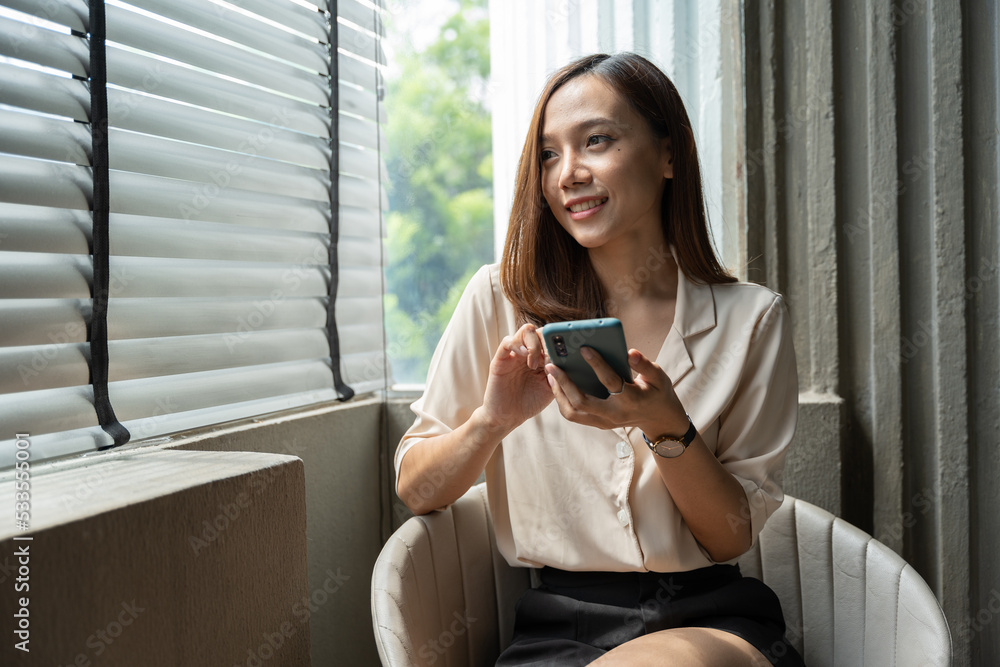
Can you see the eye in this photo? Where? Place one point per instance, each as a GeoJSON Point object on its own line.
{"type": "Point", "coordinates": [596, 139]}
{"type": "Point", "coordinates": [547, 155]}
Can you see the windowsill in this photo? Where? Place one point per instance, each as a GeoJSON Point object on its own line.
{"type": "Point", "coordinates": [347, 492]}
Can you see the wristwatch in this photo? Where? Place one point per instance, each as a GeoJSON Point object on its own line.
{"type": "Point", "coordinates": [669, 446]}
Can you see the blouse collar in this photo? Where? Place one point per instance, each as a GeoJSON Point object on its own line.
{"type": "Point", "coordinates": [694, 313]}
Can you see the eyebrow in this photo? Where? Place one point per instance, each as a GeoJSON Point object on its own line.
{"type": "Point", "coordinates": [587, 124]}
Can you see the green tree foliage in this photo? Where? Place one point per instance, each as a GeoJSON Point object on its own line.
{"type": "Point", "coordinates": [439, 160]}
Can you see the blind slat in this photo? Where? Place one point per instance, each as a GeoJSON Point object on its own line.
{"type": "Point", "coordinates": [40, 276]}
{"type": "Point", "coordinates": [362, 103]}
{"type": "Point", "coordinates": [36, 367]}
{"type": "Point", "coordinates": [359, 43]}
{"type": "Point", "coordinates": [87, 439]}
{"type": "Point", "coordinates": [142, 236]}
{"type": "Point", "coordinates": [168, 356]}
{"type": "Point", "coordinates": [357, 72]}
{"type": "Point", "coordinates": [143, 398]}
{"type": "Point", "coordinates": [40, 91]}
{"type": "Point", "coordinates": [47, 411]}
{"type": "Point", "coordinates": [356, 131]}
{"type": "Point", "coordinates": [34, 321]}
{"type": "Point", "coordinates": [358, 192]}
{"type": "Point", "coordinates": [149, 75]}
{"type": "Point", "coordinates": [360, 251]}
{"type": "Point", "coordinates": [145, 154]}
{"type": "Point", "coordinates": [73, 14]}
{"type": "Point", "coordinates": [172, 120]}
{"type": "Point", "coordinates": [63, 443]}
{"type": "Point", "coordinates": [50, 366]}
{"type": "Point", "coordinates": [63, 231]}
{"type": "Point", "coordinates": [68, 53]}
{"type": "Point", "coordinates": [43, 229]}
{"type": "Point", "coordinates": [44, 183]}
{"type": "Point", "coordinates": [357, 337]}
{"type": "Point", "coordinates": [150, 277]}
{"type": "Point", "coordinates": [244, 30]}
{"type": "Point", "coordinates": [168, 316]}
{"type": "Point", "coordinates": [359, 309]}
{"type": "Point", "coordinates": [71, 408]}
{"type": "Point", "coordinates": [358, 221]}
{"type": "Point", "coordinates": [44, 137]}
{"type": "Point", "coordinates": [140, 194]}
{"type": "Point", "coordinates": [364, 371]}
{"type": "Point", "coordinates": [358, 14]}
{"type": "Point", "coordinates": [301, 19]}
{"type": "Point", "coordinates": [160, 423]}
{"type": "Point", "coordinates": [358, 161]}
{"type": "Point", "coordinates": [155, 37]}
{"type": "Point", "coordinates": [357, 281]}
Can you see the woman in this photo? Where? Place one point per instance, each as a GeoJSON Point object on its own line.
{"type": "Point", "coordinates": [630, 540]}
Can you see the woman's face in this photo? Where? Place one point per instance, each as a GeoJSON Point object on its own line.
{"type": "Point", "coordinates": [602, 167]}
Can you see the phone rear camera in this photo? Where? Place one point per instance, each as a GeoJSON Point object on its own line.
{"type": "Point", "coordinates": [560, 345]}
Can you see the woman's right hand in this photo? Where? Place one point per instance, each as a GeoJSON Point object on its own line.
{"type": "Point", "coordinates": [518, 387]}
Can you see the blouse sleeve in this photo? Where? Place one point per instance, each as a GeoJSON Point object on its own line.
{"type": "Point", "coordinates": [459, 369]}
{"type": "Point", "coordinates": [758, 425]}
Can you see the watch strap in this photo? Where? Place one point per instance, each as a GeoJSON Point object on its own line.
{"type": "Point", "coordinates": [685, 439]}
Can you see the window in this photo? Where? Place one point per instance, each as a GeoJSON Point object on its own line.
{"type": "Point", "coordinates": [449, 97]}
{"type": "Point", "coordinates": [439, 158]}
{"type": "Point", "coordinates": [223, 138]}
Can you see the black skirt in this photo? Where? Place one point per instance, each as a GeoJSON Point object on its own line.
{"type": "Point", "coordinates": [573, 618]}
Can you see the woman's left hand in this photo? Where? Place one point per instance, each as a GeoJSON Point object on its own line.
{"type": "Point", "coordinates": [648, 402]}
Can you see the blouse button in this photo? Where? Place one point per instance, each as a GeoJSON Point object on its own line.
{"type": "Point", "coordinates": [623, 517]}
{"type": "Point", "coordinates": [624, 449]}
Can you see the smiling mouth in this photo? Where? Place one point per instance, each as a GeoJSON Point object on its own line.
{"type": "Point", "coordinates": [584, 206]}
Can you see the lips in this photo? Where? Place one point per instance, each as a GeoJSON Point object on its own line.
{"type": "Point", "coordinates": [588, 204]}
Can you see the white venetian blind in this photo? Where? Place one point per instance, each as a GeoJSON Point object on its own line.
{"type": "Point", "coordinates": [220, 143]}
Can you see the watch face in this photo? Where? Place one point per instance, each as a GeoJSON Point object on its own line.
{"type": "Point", "coordinates": [668, 449]}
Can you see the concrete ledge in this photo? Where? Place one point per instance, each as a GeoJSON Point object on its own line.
{"type": "Point", "coordinates": [152, 557]}
{"type": "Point", "coordinates": [340, 445]}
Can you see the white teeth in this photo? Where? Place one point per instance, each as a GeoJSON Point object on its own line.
{"type": "Point", "coordinates": [576, 208]}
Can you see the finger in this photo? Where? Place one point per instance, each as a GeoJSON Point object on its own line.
{"type": "Point", "coordinates": [567, 408]}
{"type": "Point", "coordinates": [515, 342]}
{"type": "Point", "coordinates": [566, 388]}
{"type": "Point", "coordinates": [505, 349]}
{"type": "Point", "coordinates": [643, 366]}
{"type": "Point", "coordinates": [541, 343]}
{"type": "Point", "coordinates": [533, 345]}
{"type": "Point", "coordinates": [607, 375]}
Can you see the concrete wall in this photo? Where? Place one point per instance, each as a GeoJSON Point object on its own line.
{"type": "Point", "coordinates": [871, 185]}
{"type": "Point", "coordinates": [398, 418]}
{"type": "Point", "coordinates": [345, 486]}
{"type": "Point", "coordinates": [157, 558]}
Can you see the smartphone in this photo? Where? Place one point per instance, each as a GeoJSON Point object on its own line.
{"type": "Point", "coordinates": [563, 341]}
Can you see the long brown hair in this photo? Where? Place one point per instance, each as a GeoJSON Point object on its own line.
{"type": "Point", "coordinates": [544, 272]}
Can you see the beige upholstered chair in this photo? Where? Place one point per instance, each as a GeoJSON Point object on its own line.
{"type": "Point", "coordinates": [443, 595]}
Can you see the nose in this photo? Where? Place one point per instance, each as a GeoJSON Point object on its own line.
{"type": "Point", "coordinates": [574, 171]}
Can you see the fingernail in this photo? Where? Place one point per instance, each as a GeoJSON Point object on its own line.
{"type": "Point", "coordinates": [587, 353]}
{"type": "Point", "coordinates": [552, 380]}
{"type": "Point", "coordinates": [523, 349]}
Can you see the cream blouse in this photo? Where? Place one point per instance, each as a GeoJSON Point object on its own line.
{"type": "Point", "coordinates": [582, 498]}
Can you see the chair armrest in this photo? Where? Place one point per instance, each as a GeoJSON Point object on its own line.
{"type": "Point", "coordinates": [441, 592]}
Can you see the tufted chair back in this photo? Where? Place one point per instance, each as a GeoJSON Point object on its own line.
{"type": "Point", "coordinates": [847, 598]}
{"type": "Point", "coordinates": [443, 595]}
